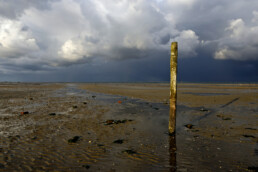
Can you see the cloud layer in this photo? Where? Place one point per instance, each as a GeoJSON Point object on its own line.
{"type": "Point", "coordinates": [45, 35]}
{"type": "Point", "coordinates": [241, 41]}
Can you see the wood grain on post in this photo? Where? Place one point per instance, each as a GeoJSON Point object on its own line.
{"type": "Point", "coordinates": [173, 85]}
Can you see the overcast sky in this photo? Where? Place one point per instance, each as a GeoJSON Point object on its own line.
{"type": "Point", "coordinates": [128, 40]}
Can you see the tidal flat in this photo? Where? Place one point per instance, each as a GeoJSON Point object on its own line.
{"type": "Point", "coordinates": [124, 127]}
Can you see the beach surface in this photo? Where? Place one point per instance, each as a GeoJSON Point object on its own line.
{"type": "Point", "coordinates": [124, 127]}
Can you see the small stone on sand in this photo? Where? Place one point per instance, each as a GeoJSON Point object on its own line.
{"type": "Point", "coordinates": [190, 126]}
{"type": "Point", "coordinates": [119, 141]}
{"type": "Point", "coordinates": [74, 139]}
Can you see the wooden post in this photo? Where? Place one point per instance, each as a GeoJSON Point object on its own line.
{"type": "Point", "coordinates": [173, 74]}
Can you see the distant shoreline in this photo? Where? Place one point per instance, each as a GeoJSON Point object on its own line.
{"type": "Point", "coordinates": [179, 82]}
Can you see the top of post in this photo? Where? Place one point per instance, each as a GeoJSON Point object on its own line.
{"type": "Point", "coordinates": [174, 48]}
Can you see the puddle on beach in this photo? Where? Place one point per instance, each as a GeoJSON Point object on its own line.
{"type": "Point", "coordinates": [72, 129]}
{"type": "Point", "coordinates": [206, 94]}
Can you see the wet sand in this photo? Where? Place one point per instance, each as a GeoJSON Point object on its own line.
{"type": "Point", "coordinates": [123, 127]}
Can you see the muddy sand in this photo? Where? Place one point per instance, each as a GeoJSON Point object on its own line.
{"type": "Point", "coordinates": [123, 127]}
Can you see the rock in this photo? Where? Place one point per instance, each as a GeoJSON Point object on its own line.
{"type": "Point", "coordinates": [86, 166]}
{"type": "Point", "coordinates": [34, 138]}
{"type": "Point", "coordinates": [111, 121]}
{"type": "Point", "coordinates": [93, 96]}
{"type": "Point", "coordinates": [245, 135]}
{"type": "Point", "coordinates": [118, 121]}
{"type": "Point", "coordinates": [52, 114]}
{"type": "Point", "coordinates": [24, 113]}
{"type": "Point", "coordinates": [203, 110]}
{"type": "Point", "coordinates": [74, 139]}
{"type": "Point", "coordinates": [85, 103]}
{"type": "Point", "coordinates": [124, 121]}
{"type": "Point", "coordinates": [121, 121]}
{"type": "Point", "coordinates": [119, 141]}
{"type": "Point", "coordinates": [75, 107]}
{"type": "Point", "coordinates": [250, 128]}
{"type": "Point", "coordinates": [156, 108]}
{"type": "Point", "coordinates": [129, 151]}
{"type": "Point", "coordinates": [189, 126]}
{"type": "Point", "coordinates": [224, 118]}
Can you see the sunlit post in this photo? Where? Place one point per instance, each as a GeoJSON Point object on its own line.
{"type": "Point", "coordinates": [173, 85]}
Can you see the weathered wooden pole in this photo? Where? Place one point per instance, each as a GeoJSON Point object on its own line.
{"type": "Point", "coordinates": [173, 85]}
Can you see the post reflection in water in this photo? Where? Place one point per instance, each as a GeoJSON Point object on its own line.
{"type": "Point", "coordinates": [172, 152]}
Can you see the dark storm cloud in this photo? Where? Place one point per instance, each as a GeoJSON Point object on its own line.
{"type": "Point", "coordinates": [203, 69]}
{"type": "Point", "coordinates": [233, 25]}
{"type": "Point", "coordinates": [154, 68]}
{"type": "Point", "coordinates": [210, 18]}
{"type": "Point", "coordinates": [57, 36]}
{"type": "Point", "coordinates": [242, 42]}
{"type": "Point", "coordinates": [117, 30]}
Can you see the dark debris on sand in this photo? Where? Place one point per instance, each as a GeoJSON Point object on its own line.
{"type": "Point", "coordinates": [129, 151]}
{"type": "Point", "coordinates": [245, 135]}
{"type": "Point", "coordinates": [86, 166]}
{"type": "Point", "coordinates": [119, 141]}
{"type": "Point", "coordinates": [204, 110]}
{"type": "Point", "coordinates": [24, 113]}
{"type": "Point", "coordinates": [74, 139]}
{"type": "Point", "coordinates": [250, 128]}
{"type": "Point", "coordinates": [111, 121]}
{"type": "Point", "coordinates": [189, 126]}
